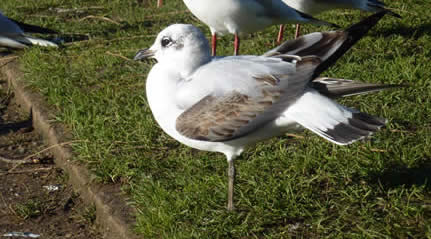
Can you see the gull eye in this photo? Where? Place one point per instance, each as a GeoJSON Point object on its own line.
{"type": "Point", "coordinates": [166, 41]}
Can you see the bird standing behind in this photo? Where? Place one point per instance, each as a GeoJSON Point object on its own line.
{"type": "Point", "coordinates": [244, 16]}
{"type": "Point", "coordinates": [314, 7]}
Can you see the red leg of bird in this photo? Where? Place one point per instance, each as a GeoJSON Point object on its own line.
{"type": "Point", "coordinates": [159, 3]}
{"type": "Point", "coordinates": [280, 34]}
{"type": "Point", "coordinates": [236, 45]}
{"type": "Point", "coordinates": [214, 44]}
{"type": "Point", "coordinates": [298, 29]}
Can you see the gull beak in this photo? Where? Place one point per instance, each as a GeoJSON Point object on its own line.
{"type": "Point", "coordinates": [144, 54]}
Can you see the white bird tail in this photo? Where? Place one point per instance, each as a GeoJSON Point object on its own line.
{"type": "Point", "coordinates": [331, 120]}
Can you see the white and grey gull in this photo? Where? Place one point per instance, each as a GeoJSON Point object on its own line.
{"type": "Point", "coordinates": [225, 104]}
{"type": "Point", "coordinates": [239, 17]}
{"type": "Point", "coordinates": [314, 7]}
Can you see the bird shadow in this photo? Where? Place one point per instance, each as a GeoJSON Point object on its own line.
{"type": "Point", "coordinates": [398, 174]}
{"type": "Point", "coordinates": [17, 126]}
{"type": "Point", "coordinates": [3, 53]}
{"type": "Point", "coordinates": [404, 30]}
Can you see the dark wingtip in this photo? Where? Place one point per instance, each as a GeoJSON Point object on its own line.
{"type": "Point", "coordinates": [362, 27]}
{"type": "Point", "coordinates": [359, 126]}
{"type": "Point", "coordinates": [354, 34]}
{"type": "Point", "coordinates": [335, 88]}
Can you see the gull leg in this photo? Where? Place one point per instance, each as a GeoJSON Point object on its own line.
{"type": "Point", "coordinates": [213, 44]}
{"type": "Point", "coordinates": [298, 29]}
{"type": "Point", "coordinates": [280, 34]}
{"type": "Point", "coordinates": [231, 175]}
{"type": "Point", "coordinates": [236, 45]}
{"type": "Point", "coordinates": [159, 3]}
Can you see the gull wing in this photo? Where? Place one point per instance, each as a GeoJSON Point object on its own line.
{"type": "Point", "coordinates": [334, 87]}
{"type": "Point", "coordinates": [12, 26]}
{"type": "Point", "coordinates": [228, 114]}
{"type": "Point", "coordinates": [8, 27]}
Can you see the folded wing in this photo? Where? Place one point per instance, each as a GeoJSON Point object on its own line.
{"type": "Point", "coordinates": [235, 113]}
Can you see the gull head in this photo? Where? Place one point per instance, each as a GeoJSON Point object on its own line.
{"type": "Point", "coordinates": [182, 46]}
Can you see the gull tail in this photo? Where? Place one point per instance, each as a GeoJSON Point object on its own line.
{"type": "Point", "coordinates": [335, 88]}
{"type": "Point", "coordinates": [332, 121]}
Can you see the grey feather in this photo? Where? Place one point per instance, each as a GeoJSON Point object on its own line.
{"type": "Point", "coordinates": [335, 88]}
{"type": "Point", "coordinates": [360, 126]}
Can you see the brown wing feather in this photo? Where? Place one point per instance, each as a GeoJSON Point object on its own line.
{"type": "Point", "coordinates": [321, 47]}
{"type": "Point", "coordinates": [220, 119]}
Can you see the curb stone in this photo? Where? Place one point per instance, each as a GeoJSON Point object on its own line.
{"type": "Point", "coordinates": [114, 216]}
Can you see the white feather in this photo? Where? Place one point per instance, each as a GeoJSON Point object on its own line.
{"type": "Point", "coordinates": [313, 7]}
{"type": "Point", "coordinates": [36, 41]}
{"type": "Point", "coordinates": [325, 113]}
{"type": "Point", "coordinates": [9, 42]}
{"type": "Point", "coordinates": [243, 16]}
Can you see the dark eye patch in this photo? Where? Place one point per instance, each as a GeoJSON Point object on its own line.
{"type": "Point", "coordinates": [166, 41]}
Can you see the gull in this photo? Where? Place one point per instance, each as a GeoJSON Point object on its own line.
{"type": "Point", "coordinates": [12, 34]}
{"type": "Point", "coordinates": [239, 17]}
{"type": "Point", "coordinates": [224, 104]}
{"type": "Point", "coordinates": [313, 7]}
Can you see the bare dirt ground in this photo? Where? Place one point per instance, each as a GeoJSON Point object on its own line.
{"type": "Point", "coordinates": [34, 196]}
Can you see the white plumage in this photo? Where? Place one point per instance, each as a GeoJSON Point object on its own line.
{"type": "Point", "coordinates": [314, 7]}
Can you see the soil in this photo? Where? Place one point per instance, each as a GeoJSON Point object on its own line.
{"type": "Point", "coordinates": [34, 196]}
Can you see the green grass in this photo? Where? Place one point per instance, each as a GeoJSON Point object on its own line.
{"type": "Point", "coordinates": [29, 209]}
{"type": "Point", "coordinates": [286, 187]}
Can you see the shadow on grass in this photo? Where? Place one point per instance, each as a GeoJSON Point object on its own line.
{"type": "Point", "coordinates": [16, 126]}
{"type": "Point", "coordinates": [398, 174]}
{"type": "Point", "coordinates": [5, 52]}
{"type": "Point", "coordinates": [404, 30]}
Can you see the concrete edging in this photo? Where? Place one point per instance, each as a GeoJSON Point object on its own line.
{"type": "Point", "coordinates": [113, 216]}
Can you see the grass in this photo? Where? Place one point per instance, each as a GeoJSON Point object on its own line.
{"type": "Point", "coordinates": [29, 209]}
{"type": "Point", "coordinates": [286, 187]}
